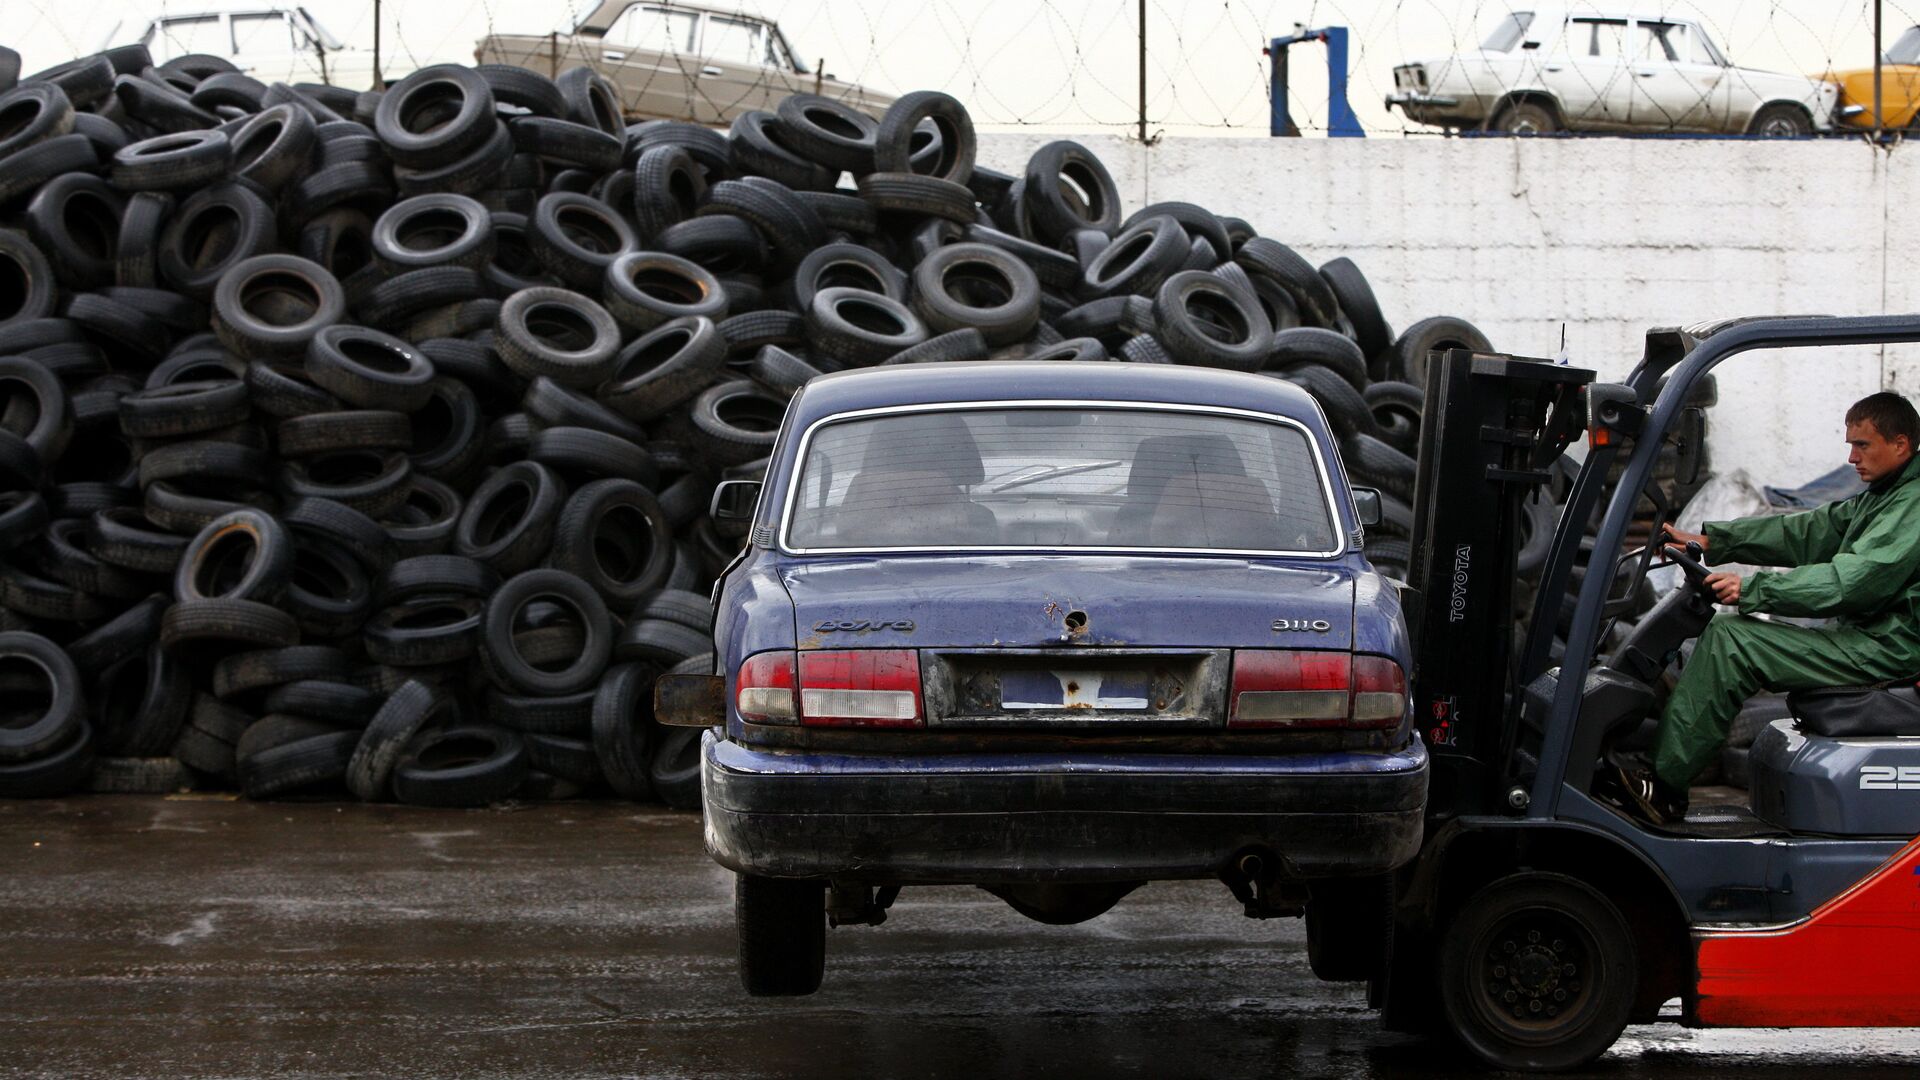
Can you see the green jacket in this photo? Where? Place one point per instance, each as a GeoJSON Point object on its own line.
{"type": "Point", "coordinates": [1857, 560]}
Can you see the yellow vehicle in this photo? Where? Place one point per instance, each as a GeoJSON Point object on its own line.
{"type": "Point", "coordinates": [1899, 87]}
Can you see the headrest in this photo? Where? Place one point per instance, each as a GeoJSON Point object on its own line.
{"type": "Point", "coordinates": [1161, 456]}
{"type": "Point", "coordinates": [938, 443]}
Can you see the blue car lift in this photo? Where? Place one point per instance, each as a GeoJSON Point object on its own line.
{"type": "Point", "coordinates": [1341, 123]}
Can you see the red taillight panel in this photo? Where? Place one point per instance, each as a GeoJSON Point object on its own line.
{"type": "Point", "coordinates": [1303, 690]}
{"type": "Point", "coordinates": [766, 691]}
{"type": "Point", "coordinates": [1379, 692]}
{"type": "Point", "coordinates": [871, 688]}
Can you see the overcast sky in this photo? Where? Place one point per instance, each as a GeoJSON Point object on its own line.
{"type": "Point", "coordinates": [1062, 65]}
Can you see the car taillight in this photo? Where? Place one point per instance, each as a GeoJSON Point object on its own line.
{"type": "Point", "coordinates": [1379, 693]}
{"type": "Point", "coordinates": [1298, 690]}
{"type": "Point", "coordinates": [766, 689]}
{"type": "Point", "coordinates": [872, 688]}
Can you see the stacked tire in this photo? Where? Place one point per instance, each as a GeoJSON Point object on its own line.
{"type": "Point", "coordinates": [364, 441]}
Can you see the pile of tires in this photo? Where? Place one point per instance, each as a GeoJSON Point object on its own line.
{"type": "Point", "coordinates": [364, 441]}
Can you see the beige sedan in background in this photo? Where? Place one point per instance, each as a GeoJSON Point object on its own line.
{"type": "Point", "coordinates": [677, 61]}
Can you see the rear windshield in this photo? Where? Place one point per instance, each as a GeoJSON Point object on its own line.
{"type": "Point", "coordinates": [1061, 478]}
{"type": "Point", "coordinates": [1509, 33]}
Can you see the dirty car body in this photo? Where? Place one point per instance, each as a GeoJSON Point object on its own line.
{"type": "Point", "coordinates": [1586, 70]}
{"type": "Point", "coordinates": [672, 60]}
{"type": "Point", "coordinates": [1058, 623]}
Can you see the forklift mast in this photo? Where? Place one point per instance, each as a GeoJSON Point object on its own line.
{"type": "Point", "coordinates": [1494, 426]}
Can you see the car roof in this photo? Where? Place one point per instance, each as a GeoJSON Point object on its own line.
{"type": "Point", "coordinates": [612, 9]}
{"type": "Point", "coordinates": [1549, 13]}
{"type": "Point", "coordinates": [1001, 380]}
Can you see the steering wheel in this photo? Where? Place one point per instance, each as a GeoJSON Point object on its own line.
{"type": "Point", "coordinates": [1689, 563]}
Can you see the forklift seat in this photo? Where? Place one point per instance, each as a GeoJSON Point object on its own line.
{"type": "Point", "coordinates": [1843, 712]}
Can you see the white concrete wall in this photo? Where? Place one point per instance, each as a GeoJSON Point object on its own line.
{"type": "Point", "coordinates": [1607, 236]}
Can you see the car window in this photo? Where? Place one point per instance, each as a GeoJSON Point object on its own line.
{"type": "Point", "coordinates": [1906, 50]}
{"type": "Point", "coordinates": [200, 34]}
{"type": "Point", "coordinates": [1659, 42]}
{"type": "Point", "coordinates": [266, 32]}
{"type": "Point", "coordinates": [1685, 44]}
{"type": "Point", "coordinates": [734, 41]}
{"type": "Point", "coordinates": [1508, 35]}
{"type": "Point", "coordinates": [778, 55]}
{"type": "Point", "coordinates": [1061, 478]}
{"type": "Point", "coordinates": [1609, 40]}
{"type": "Point", "coordinates": [654, 29]}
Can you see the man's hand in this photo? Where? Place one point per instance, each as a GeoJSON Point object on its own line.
{"type": "Point", "coordinates": [1683, 538]}
{"type": "Point", "coordinates": [1725, 586]}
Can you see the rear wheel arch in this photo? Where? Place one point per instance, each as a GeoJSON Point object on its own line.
{"type": "Point", "coordinates": [1496, 116]}
{"type": "Point", "coordinates": [1474, 858]}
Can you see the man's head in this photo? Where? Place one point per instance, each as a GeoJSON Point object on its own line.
{"type": "Point", "coordinates": [1883, 430]}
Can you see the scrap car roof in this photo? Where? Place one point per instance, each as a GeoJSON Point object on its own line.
{"type": "Point", "coordinates": [920, 384]}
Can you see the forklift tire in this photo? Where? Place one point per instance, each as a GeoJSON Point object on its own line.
{"type": "Point", "coordinates": [1537, 972]}
{"type": "Point", "coordinates": [782, 925]}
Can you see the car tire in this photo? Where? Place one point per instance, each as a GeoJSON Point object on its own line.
{"type": "Point", "coordinates": [976, 285]}
{"type": "Point", "coordinates": [613, 535]}
{"type": "Point", "coordinates": [1409, 355]}
{"type": "Point", "coordinates": [501, 653]}
{"type": "Point", "coordinates": [737, 421]}
{"type": "Point", "coordinates": [1379, 465]}
{"type": "Point", "coordinates": [1204, 320]}
{"type": "Point", "coordinates": [1313, 345]}
{"type": "Point", "coordinates": [377, 750]}
{"type": "Point", "coordinates": [469, 766]}
{"type": "Point", "coordinates": [644, 289]}
{"type": "Point", "coordinates": [56, 772]}
{"type": "Point", "coordinates": [674, 767]}
{"type": "Point", "coordinates": [339, 703]}
{"type": "Point", "coordinates": [1525, 118]}
{"type": "Point", "coordinates": [303, 763]}
{"type": "Point", "coordinates": [560, 334]}
{"type": "Point", "coordinates": [1780, 121]}
{"type": "Point", "coordinates": [621, 730]}
{"type": "Point", "coordinates": [65, 710]}
{"type": "Point", "coordinates": [782, 925]}
{"type": "Point", "coordinates": [1347, 412]}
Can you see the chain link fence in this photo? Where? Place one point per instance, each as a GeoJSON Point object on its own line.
{"type": "Point", "coordinates": [1174, 67]}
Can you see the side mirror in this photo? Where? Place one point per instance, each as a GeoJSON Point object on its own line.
{"type": "Point", "coordinates": [1366, 502]}
{"type": "Point", "coordinates": [734, 500]}
{"type": "Point", "coordinates": [1529, 44]}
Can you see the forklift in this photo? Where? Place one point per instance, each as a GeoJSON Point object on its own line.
{"type": "Point", "coordinates": [1540, 918]}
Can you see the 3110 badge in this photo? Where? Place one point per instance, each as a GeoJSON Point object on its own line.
{"type": "Point", "coordinates": [856, 626]}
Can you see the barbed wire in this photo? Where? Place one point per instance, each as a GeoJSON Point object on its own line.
{"type": "Point", "coordinates": [1689, 66]}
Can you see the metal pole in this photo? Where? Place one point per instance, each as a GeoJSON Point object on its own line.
{"type": "Point", "coordinates": [1878, 121]}
{"type": "Point", "coordinates": [378, 82]}
{"type": "Point", "coordinates": [1143, 70]}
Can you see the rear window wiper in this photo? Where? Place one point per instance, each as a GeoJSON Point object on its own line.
{"type": "Point", "coordinates": [1050, 471]}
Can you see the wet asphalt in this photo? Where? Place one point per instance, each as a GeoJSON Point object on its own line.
{"type": "Point", "coordinates": [195, 937]}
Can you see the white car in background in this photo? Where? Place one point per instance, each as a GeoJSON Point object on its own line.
{"type": "Point", "coordinates": [1545, 71]}
{"type": "Point", "coordinates": [674, 60]}
{"type": "Point", "coordinates": [271, 44]}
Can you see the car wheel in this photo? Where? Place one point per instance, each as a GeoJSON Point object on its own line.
{"type": "Point", "coordinates": [783, 934]}
{"type": "Point", "coordinates": [1526, 118]}
{"type": "Point", "coordinates": [1781, 122]}
{"type": "Point", "coordinates": [1538, 972]}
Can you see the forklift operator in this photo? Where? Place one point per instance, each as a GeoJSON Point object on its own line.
{"type": "Point", "coordinates": [1856, 561]}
